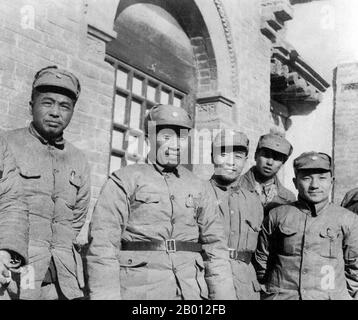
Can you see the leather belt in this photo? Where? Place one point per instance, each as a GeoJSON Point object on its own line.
{"type": "Point", "coordinates": [244, 256]}
{"type": "Point", "coordinates": [170, 245]}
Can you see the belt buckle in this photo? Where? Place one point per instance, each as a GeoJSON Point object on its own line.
{"type": "Point", "coordinates": [232, 253]}
{"type": "Point", "coordinates": [170, 245]}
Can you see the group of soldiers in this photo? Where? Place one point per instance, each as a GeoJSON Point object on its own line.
{"type": "Point", "coordinates": [158, 231]}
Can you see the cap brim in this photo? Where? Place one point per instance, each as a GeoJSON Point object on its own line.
{"type": "Point", "coordinates": [172, 123]}
{"type": "Point", "coordinates": [57, 84]}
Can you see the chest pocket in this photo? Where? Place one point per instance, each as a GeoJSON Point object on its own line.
{"type": "Point", "coordinates": [252, 234]}
{"type": "Point", "coordinates": [145, 208]}
{"type": "Point", "coordinates": [30, 179]}
{"type": "Point", "coordinates": [287, 242]}
{"type": "Point", "coordinates": [146, 197]}
{"type": "Point", "coordinates": [73, 184]}
{"type": "Point", "coordinates": [192, 202]}
{"type": "Point", "coordinates": [331, 242]}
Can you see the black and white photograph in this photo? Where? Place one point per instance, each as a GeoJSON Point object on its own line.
{"type": "Point", "coordinates": [196, 151]}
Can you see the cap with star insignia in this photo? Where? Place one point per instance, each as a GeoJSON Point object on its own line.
{"type": "Point", "coordinates": [275, 142]}
{"type": "Point", "coordinates": [52, 76]}
{"type": "Point", "coordinates": [313, 160]}
{"type": "Point", "coordinates": [162, 115]}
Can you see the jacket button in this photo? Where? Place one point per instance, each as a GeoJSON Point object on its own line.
{"type": "Point", "coordinates": [231, 211]}
{"type": "Point", "coordinates": [130, 261]}
{"type": "Point", "coordinates": [172, 197]}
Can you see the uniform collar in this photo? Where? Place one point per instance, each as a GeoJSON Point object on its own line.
{"type": "Point", "coordinates": [282, 192]}
{"type": "Point", "coordinates": [163, 170]}
{"type": "Point", "coordinates": [234, 185]}
{"type": "Point", "coordinates": [59, 142]}
{"type": "Point", "coordinates": [310, 208]}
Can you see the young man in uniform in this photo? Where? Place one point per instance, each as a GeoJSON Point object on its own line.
{"type": "Point", "coordinates": [239, 209]}
{"type": "Point", "coordinates": [308, 250]}
{"type": "Point", "coordinates": [272, 152]}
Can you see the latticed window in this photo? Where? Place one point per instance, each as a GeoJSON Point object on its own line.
{"type": "Point", "coordinates": [135, 92]}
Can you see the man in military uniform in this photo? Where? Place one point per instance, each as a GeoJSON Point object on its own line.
{"type": "Point", "coordinates": [155, 222]}
{"type": "Point", "coordinates": [14, 224]}
{"type": "Point", "coordinates": [309, 249]}
{"type": "Point", "coordinates": [350, 200]}
{"type": "Point", "coordinates": [271, 153]}
{"type": "Point", "coordinates": [241, 213]}
{"type": "Point", "coordinates": [56, 181]}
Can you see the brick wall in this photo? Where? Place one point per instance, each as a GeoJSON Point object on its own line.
{"type": "Point", "coordinates": [345, 139]}
{"type": "Point", "coordinates": [35, 34]}
{"type": "Point", "coordinates": [253, 52]}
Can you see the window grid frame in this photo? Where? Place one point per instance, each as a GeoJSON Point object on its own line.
{"type": "Point", "coordinates": [145, 102]}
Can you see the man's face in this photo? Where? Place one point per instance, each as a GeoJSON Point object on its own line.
{"type": "Point", "coordinates": [269, 162]}
{"type": "Point", "coordinates": [170, 143]}
{"type": "Point", "coordinates": [313, 185]}
{"type": "Point", "coordinates": [51, 112]}
{"type": "Point", "coordinates": [229, 163]}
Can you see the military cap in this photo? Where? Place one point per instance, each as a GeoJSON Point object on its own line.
{"type": "Point", "coordinates": [231, 137]}
{"type": "Point", "coordinates": [276, 142]}
{"type": "Point", "coordinates": [55, 77]}
{"type": "Point", "coordinates": [169, 115]}
{"type": "Point", "coordinates": [313, 160]}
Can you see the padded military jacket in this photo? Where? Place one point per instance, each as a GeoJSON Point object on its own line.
{"type": "Point", "coordinates": [284, 196]}
{"type": "Point", "coordinates": [56, 184]}
{"type": "Point", "coordinates": [143, 202]}
{"type": "Point", "coordinates": [242, 215]}
{"type": "Point", "coordinates": [304, 254]}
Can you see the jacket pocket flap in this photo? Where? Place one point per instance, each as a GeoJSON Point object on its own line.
{"type": "Point", "coordinates": [286, 230]}
{"type": "Point", "coordinates": [330, 233]}
{"type": "Point", "coordinates": [253, 226]}
{"type": "Point", "coordinates": [147, 197]}
{"type": "Point", "coordinates": [28, 172]}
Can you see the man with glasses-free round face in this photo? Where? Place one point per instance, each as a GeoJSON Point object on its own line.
{"type": "Point", "coordinates": [155, 232]}
{"type": "Point", "coordinates": [308, 250]}
{"type": "Point", "coordinates": [56, 181]}
{"type": "Point", "coordinates": [272, 152]}
{"type": "Point", "coordinates": [239, 209]}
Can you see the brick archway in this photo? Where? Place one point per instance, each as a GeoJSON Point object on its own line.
{"type": "Point", "coordinates": [190, 18]}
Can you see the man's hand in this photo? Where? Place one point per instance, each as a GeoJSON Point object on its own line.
{"type": "Point", "coordinates": [5, 265]}
{"type": "Point", "coordinates": [83, 235]}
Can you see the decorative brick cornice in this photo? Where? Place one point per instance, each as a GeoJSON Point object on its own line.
{"type": "Point", "coordinates": [274, 14]}
{"type": "Point", "coordinates": [230, 44]}
{"type": "Point", "coordinates": [214, 110]}
{"type": "Point", "coordinates": [293, 81]}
